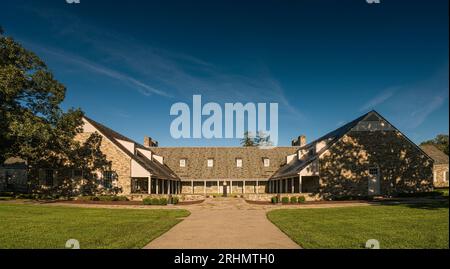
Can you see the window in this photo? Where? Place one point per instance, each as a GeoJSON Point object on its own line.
{"type": "Point", "coordinates": [210, 162]}
{"type": "Point", "coordinates": [77, 173]}
{"type": "Point", "coordinates": [266, 162]}
{"type": "Point", "coordinates": [108, 177]}
{"type": "Point", "coordinates": [49, 177]}
{"type": "Point", "coordinates": [373, 171]}
{"type": "Point", "coordinates": [238, 162]}
{"type": "Point", "coordinates": [182, 162]}
{"type": "Point", "coordinates": [446, 176]}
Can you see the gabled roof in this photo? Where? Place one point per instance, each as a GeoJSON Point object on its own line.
{"type": "Point", "coordinates": [224, 167]}
{"type": "Point", "coordinates": [437, 155]}
{"type": "Point", "coordinates": [293, 168]}
{"type": "Point", "coordinates": [157, 169]}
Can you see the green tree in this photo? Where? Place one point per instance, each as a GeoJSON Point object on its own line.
{"type": "Point", "coordinates": [32, 124]}
{"type": "Point", "coordinates": [262, 139]}
{"type": "Point", "coordinates": [440, 141]}
{"type": "Point", "coordinates": [248, 140]}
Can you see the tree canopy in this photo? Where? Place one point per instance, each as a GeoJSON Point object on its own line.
{"type": "Point", "coordinates": [33, 126]}
{"type": "Point", "coordinates": [440, 141]}
{"type": "Point", "coordinates": [261, 139]}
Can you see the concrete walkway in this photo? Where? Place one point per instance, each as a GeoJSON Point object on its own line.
{"type": "Point", "coordinates": [224, 223]}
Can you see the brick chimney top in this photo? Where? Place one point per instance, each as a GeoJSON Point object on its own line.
{"type": "Point", "coordinates": [149, 142]}
{"type": "Point", "coordinates": [299, 142]}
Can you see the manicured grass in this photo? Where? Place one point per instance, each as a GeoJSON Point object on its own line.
{"type": "Point", "coordinates": [35, 226]}
{"type": "Point", "coordinates": [394, 226]}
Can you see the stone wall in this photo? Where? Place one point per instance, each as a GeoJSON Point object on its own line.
{"type": "Point", "coordinates": [344, 168]}
{"type": "Point", "coordinates": [120, 162]}
{"type": "Point", "coordinates": [439, 175]}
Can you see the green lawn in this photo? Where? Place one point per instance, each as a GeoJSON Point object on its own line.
{"type": "Point", "coordinates": [394, 226]}
{"type": "Point", "coordinates": [34, 226]}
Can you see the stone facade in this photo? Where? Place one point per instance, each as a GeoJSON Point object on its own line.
{"type": "Point", "coordinates": [120, 162]}
{"type": "Point", "coordinates": [403, 167]}
{"type": "Point", "coordinates": [440, 175]}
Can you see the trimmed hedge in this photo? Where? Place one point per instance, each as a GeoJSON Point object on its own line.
{"type": "Point", "coordinates": [301, 199]}
{"type": "Point", "coordinates": [294, 200]}
{"type": "Point", "coordinates": [285, 200]}
{"type": "Point", "coordinates": [155, 201]}
{"type": "Point", "coordinates": [274, 200]}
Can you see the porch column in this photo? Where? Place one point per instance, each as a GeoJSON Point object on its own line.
{"type": "Point", "coordinates": [231, 186]}
{"type": "Point", "coordinates": [218, 187]}
{"type": "Point", "coordinates": [300, 184]}
{"type": "Point", "coordinates": [192, 186]}
{"type": "Point", "coordinates": [243, 187]}
{"type": "Point", "coordinates": [149, 185]}
{"type": "Point", "coordinates": [204, 187]}
{"type": "Point", "coordinates": [257, 185]}
{"type": "Point", "coordinates": [292, 185]}
{"type": "Point", "coordinates": [157, 186]}
{"type": "Point", "coordinates": [168, 186]}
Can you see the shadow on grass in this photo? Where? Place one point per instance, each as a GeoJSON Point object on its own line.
{"type": "Point", "coordinates": [429, 205]}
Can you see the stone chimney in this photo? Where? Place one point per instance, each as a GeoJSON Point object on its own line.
{"type": "Point", "coordinates": [149, 142]}
{"type": "Point", "coordinates": [299, 142]}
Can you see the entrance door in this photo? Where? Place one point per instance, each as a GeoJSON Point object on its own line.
{"type": "Point", "coordinates": [374, 181]}
{"type": "Point", "coordinates": [225, 190]}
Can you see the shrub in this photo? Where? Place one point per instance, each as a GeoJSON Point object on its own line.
{"type": "Point", "coordinates": [147, 201]}
{"type": "Point", "coordinates": [175, 200]}
{"type": "Point", "coordinates": [163, 201]}
{"type": "Point", "coordinates": [285, 200]}
{"type": "Point", "coordinates": [274, 200]}
{"type": "Point", "coordinates": [294, 200]}
{"type": "Point", "coordinates": [301, 199]}
{"type": "Point", "coordinates": [154, 201]}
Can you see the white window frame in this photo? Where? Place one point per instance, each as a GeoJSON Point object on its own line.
{"type": "Point", "coordinates": [266, 162]}
{"type": "Point", "coordinates": [374, 168]}
{"type": "Point", "coordinates": [210, 163]}
{"type": "Point", "coordinates": [182, 162]}
{"type": "Point", "coordinates": [445, 176]}
{"type": "Point", "coordinates": [238, 162]}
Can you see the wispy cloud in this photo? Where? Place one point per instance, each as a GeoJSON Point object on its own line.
{"type": "Point", "coordinates": [415, 103]}
{"type": "Point", "coordinates": [379, 99]}
{"type": "Point", "coordinates": [153, 70]}
{"type": "Point", "coordinates": [100, 69]}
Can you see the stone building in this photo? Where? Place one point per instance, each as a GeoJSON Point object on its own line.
{"type": "Point", "coordinates": [135, 169]}
{"type": "Point", "coordinates": [440, 167]}
{"type": "Point", "coordinates": [366, 157]}
{"type": "Point", "coordinates": [219, 170]}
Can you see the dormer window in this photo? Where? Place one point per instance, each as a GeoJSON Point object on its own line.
{"type": "Point", "coordinates": [266, 162]}
{"type": "Point", "coordinates": [182, 162]}
{"type": "Point", "coordinates": [238, 162]}
{"type": "Point", "coordinates": [210, 162]}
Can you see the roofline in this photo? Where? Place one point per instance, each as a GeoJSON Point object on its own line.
{"type": "Point", "coordinates": [124, 150]}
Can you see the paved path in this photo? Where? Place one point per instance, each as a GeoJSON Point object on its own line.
{"type": "Point", "coordinates": [224, 223]}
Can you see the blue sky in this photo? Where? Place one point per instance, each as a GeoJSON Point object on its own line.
{"type": "Point", "coordinates": [325, 62]}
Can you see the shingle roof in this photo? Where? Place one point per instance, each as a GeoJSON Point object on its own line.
{"type": "Point", "coordinates": [157, 169]}
{"type": "Point", "coordinates": [437, 155]}
{"type": "Point", "coordinates": [296, 165]}
{"type": "Point", "coordinates": [224, 161]}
